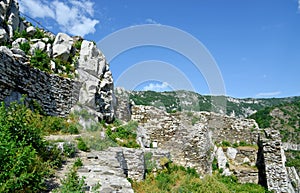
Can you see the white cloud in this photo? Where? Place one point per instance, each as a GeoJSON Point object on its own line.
{"type": "Point", "coordinates": [299, 5]}
{"type": "Point", "coordinates": [159, 87]}
{"type": "Point", "coordinates": [36, 8]}
{"type": "Point", "coordinates": [268, 94]}
{"type": "Point", "coordinates": [151, 21]}
{"type": "Point", "coordinates": [73, 16]}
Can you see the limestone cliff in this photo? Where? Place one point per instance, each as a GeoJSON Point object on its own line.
{"type": "Point", "coordinates": [71, 74]}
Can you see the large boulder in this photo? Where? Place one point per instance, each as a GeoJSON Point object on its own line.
{"type": "Point", "coordinates": [97, 89]}
{"type": "Point", "coordinates": [62, 46]}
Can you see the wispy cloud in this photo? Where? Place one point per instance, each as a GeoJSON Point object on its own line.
{"type": "Point", "coordinates": [268, 94]}
{"type": "Point", "coordinates": [159, 87]}
{"type": "Point", "coordinates": [151, 21]}
{"type": "Point", "coordinates": [73, 16]}
{"type": "Point", "coordinates": [298, 5]}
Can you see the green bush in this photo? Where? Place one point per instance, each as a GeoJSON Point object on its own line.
{"type": "Point", "coordinates": [81, 145]}
{"type": "Point", "coordinates": [124, 135]}
{"type": "Point", "coordinates": [39, 34]}
{"type": "Point", "coordinates": [72, 182]}
{"type": "Point", "coordinates": [20, 34]}
{"type": "Point", "coordinates": [69, 150]}
{"type": "Point", "coordinates": [226, 144]}
{"type": "Point", "coordinates": [96, 143]}
{"type": "Point", "coordinates": [78, 162]}
{"type": "Point", "coordinates": [40, 60]}
{"type": "Point", "coordinates": [26, 158]}
{"type": "Point", "coordinates": [149, 163]}
{"type": "Point", "coordinates": [25, 47]}
{"type": "Point", "coordinates": [77, 44]}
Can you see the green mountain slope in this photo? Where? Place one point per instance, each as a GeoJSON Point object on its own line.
{"type": "Point", "coordinates": [284, 117]}
{"type": "Point", "coordinates": [186, 100]}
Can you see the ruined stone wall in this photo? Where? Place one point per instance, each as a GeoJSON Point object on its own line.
{"type": "Point", "coordinates": [55, 94]}
{"type": "Point", "coordinates": [233, 130]}
{"type": "Point", "coordinates": [271, 162]}
{"type": "Point", "coordinates": [188, 144]}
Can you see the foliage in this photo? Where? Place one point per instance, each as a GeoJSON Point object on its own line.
{"type": "Point", "coordinates": [25, 47]}
{"type": "Point", "coordinates": [20, 34]}
{"type": "Point", "coordinates": [41, 60]}
{"type": "Point", "coordinates": [72, 182]}
{"type": "Point", "coordinates": [226, 144]}
{"type": "Point", "coordinates": [77, 44]}
{"type": "Point", "coordinates": [179, 179]}
{"type": "Point", "coordinates": [195, 120]}
{"type": "Point", "coordinates": [78, 162]}
{"type": "Point", "coordinates": [69, 149]}
{"type": "Point", "coordinates": [81, 145]}
{"type": "Point", "coordinates": [124, 135]}
{"type": "Point", "coordinates": [284, 117]}
{"type": "Point", "coordinates": [196, 102]}
{"type": "Point", "coordinates": [64, 68]}
{"type": "Point", "coordinates": [26, 159]}
{"type": "Point", "coordinates": [95, 142]}
{"type": "Point", "coordinates": [39, 34]}
{"type": "Point", "coordinates": [149, 163]}
{"type": "Point", "coordinates": [293, 159]}
{"type": "Point", "coordinates": [53, 125]}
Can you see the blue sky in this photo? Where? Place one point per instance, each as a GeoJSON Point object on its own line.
{"type": "Point", "coordinates": [255, 43]}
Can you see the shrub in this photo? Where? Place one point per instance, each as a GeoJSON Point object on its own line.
{"type": "Point", "coordinates": [25, 157]}
{"type": "Point", "coordinates": [149, 163]}
{"type": "Point", "coordinates": [95, 142]}
{"type": "Point", "coordinates": [77, 44]}
{"type": "Point", "coordinates": [41, 60]}
{"type": "Point", "coordinates": [124, 135]}
{"type": "Point", "coordinates": [226, 144]}
{"type": "Point", "coordinates": [81, 145]}
{"type": "Point", "coordinates": [180, 179]}
{"type": "Point", "coordinates": [69, 149]}
{"type": "Point", "coordinates": [25, 47]}
{"type": "Point", "coordinates": [78, 163]}
{"type": "Point", "coordinates": [72, 182]}
{"type": "Point", "coordinates": [39, 34]}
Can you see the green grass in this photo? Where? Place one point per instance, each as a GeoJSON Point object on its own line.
{"type": "Point", "coordinates": [176, 178]}
{"type": "Point", "coordinates": [124, 135]}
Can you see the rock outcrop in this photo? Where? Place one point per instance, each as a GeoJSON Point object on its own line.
{"type": "Point", "coordinates": [91, 89]}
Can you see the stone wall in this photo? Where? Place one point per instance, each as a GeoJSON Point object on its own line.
{"type": "Point", "coordinates": [271, 162]}
{"type": "Point", "coordinates": [233, 130]}
{"type": "Point", "coordinates": [55, 94]}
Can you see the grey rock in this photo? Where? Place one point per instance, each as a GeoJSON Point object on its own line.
{"type": "Point", "coordinates": [6, 50]}
{"type": "Point", "coordinates": [221, 158]}
{"type": "Point", "coordinates": [62, 46]}
{"type": "Point", "coordinates": [231, 153]}
{"type": "Point", "coordinates": [30, 30]}
{"type": "Point", "coordinates": [37, 46]}
{"type": "Point", "coordinates": [3, 35]}
{"type": "Point", "coordinates": [17, 42]}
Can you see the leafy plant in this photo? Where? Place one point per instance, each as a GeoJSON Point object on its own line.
{"type": "Point", "coordinates": [26, 159]}
{"type": "Point", "coordinates": [124, 135]}
{"type": "Point", "coordinates": [149, 163]}
{"type": "Point", "coordinates": [69, 149]}
{"type": "Point", "coordinates": [41, 60]}
{"type": "Point", "coordinates": [72, 182]}
{"type": "Point", "coordinates": [25, 47]}
{"type": "Point", "coordinates": [77, 44]}
{"type": "Point", "coordinates": [81, 145]}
